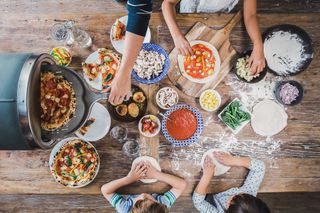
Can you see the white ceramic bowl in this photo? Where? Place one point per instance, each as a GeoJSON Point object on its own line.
{"type": "Point", "coordinates": [173, 92]}
{"type": "Point", "coordinates": [148, 134]}
{"type": "Point", "coordinates": [216, 94]}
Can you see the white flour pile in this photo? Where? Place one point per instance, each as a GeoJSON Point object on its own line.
{"type": "Point", "coordinates": [284, 52]}
{"type": "Point", "coordinates": [251, 94]}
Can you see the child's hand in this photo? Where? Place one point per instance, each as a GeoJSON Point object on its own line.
{"type": "Point", "coordinates": [151, 171]}
{"type": "Point", "coordinates": [257, 61]}
{"type": "Point", "coordinates": [225, 158]}
{"type": "Point", "coordinates": [138, 172]}
{"type": "Point", "coordinates": [183, 46]}
{"type": "Point", "coordinates": [208, 168]}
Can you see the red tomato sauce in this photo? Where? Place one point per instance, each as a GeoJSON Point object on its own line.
{"type": "Point", "coordinates": [182, 124]}
{"type": "Point", "coordinates": [201, 64]}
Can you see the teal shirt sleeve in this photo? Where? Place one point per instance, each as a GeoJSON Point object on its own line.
{"type": "Point", "coordinates": [167, 199]}
{"type": "Point", "coordinates": [121, 204]}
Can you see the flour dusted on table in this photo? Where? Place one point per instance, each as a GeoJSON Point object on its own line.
{"type": "Point", "coordinates": [284, 52]}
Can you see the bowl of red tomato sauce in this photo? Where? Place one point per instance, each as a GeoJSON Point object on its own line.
{"type": "Point", "coordinates": [182, 125]}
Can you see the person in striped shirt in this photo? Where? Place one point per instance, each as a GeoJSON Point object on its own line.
{"type": "Point", "coordinates": [143, 203]}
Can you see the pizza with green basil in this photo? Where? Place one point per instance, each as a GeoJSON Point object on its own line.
{"type": "Point", "coordinates": [75, 164]}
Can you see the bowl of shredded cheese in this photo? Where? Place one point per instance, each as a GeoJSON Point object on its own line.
{"type": "Point", "coordinates": [210, 100]}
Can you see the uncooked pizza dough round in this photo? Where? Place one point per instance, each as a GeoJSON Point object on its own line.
{"type": "Point", "coordinates": [268, 118]}
{"type": "Point", "coordinates": [152, 161]}
{"type": "Point", "coordinates": [220, 168]}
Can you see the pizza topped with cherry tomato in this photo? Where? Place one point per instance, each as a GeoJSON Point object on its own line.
{"type": "Point", "coordinates": [76, 163]}
{"type": "Point", "coordinates": [201, 64]}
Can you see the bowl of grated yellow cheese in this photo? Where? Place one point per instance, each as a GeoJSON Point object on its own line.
{"type": "Point", "coordinates": [210, 100]}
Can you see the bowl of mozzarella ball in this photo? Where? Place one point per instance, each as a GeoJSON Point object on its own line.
{"type": "Point", "coordinates": [210, 100]}
{"type": "Point", "coordinates": [243, 71]}
{"type": "Point", "coordinates": [167, 97]}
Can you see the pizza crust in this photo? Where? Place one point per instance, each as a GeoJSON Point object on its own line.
{"type": "Point", "coordinates": [152, 161]}
{"type": "Point", "coordinates": [268, 118]}
{"type": "Point", "coordinates": [216, 68]}
{"type": "Point", "coordinates": [220, 168]}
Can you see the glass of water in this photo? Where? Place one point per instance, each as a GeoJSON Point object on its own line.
{"type": "Point", "coordinates": [59, 32]}
{"type": "Point", "coordinates": [119, 133]}
{"type": "Point", "coordinates": [131, 148]}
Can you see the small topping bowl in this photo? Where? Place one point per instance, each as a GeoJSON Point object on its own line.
{"type": "Point", "coordinates": [166, 97]}
{"type": "Point", "coordinates": [210, 100]}
{"type": "Point", "coordinates": [61, 55]}
{"type": "Point", "coordinates": [149, 125]}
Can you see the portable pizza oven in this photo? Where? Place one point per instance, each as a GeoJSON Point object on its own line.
{"type": "Point", "coordinates": [19, 94]}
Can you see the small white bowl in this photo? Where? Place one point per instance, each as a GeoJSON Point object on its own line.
{"type": "Point", "coordinates": [166, 88]}
{"type": "Point", "coordinates": [214, 93]}
{"type": "Point", "coordinates": [148, 134]}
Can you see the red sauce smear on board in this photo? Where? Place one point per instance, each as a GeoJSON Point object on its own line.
{"type": "Point", "coordinates": [201, 64]}
{"type": "Point", "coordinates": [182, 124]}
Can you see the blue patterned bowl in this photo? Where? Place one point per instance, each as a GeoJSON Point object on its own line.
{"type": "Point", "coordinates": [196, 135]}
{"type": "Point", "coordinates": [157, 48]}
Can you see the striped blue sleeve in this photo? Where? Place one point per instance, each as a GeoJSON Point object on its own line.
{"type": "Point", "coordinates": [121, 204]}
{"type": "Point", "coordinates": [167, 199]}
{"type": "Point", "coordinates": [139, 16]}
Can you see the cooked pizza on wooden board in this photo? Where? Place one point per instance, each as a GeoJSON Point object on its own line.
{"type": "Point", "coordinates": [75, 164]}
{"type": "Point", "coordinates": [58, 102]}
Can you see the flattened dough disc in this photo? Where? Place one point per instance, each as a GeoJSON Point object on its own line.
{"type": "Point", "coordinates": [220, 168]}
{"type": "Point", "coordinates": [152, 161]}
{"type": "Point", "coordinates": [268, 118]}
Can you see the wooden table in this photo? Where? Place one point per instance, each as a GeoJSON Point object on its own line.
{"type": "Point", "coordinates": [26, 183]}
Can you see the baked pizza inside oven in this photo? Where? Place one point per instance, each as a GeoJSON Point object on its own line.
{"type": "Point", "coordinates": [58, 101]}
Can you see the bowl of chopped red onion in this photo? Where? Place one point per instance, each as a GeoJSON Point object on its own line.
{"type": "Point", "coordinates": [289, 93]}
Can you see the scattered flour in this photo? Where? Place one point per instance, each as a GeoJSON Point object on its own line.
{"type": "Point", "coordinates": [284, 52]}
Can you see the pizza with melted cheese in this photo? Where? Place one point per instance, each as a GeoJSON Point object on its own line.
{"type": "Point", "coordinates": [75, 164]}
{"type": "Point", "coordinates": [58, 101]}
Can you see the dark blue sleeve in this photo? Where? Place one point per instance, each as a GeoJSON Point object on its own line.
{"type": "Point", "coordinates": [139, 16]}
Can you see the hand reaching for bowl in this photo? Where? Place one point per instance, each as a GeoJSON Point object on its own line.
{"type": "Point", "coordinates": [138, 172]}
{"type": "Point", "coordinates": [182, 45]}
{"type": "Point", "coordinates": [257, 61]}
{"type": "Point", "coordinates": [120, 89]}
{"type": "Point", "coordinates": [208, 167]}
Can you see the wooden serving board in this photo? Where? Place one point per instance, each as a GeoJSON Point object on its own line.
{"type": "Point", "coordinates": [220, 40]}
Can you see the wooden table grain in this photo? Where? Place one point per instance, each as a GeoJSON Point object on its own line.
{"type": "Point", "coordinates": [292, 167]}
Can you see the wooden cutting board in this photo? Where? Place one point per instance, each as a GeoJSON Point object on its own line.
{"type": "Point", "coordinates": [220, 40]}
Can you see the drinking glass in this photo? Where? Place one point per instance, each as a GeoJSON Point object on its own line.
{"type": "Point", "coordinates": [59, 32]}
{"type": "Point", "coordinates": [119, 133]}
{"type": "Point", "coordinates": [131, 148]}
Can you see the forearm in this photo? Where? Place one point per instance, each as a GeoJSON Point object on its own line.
{"type": "Point", "coordinates": [109, 188]}
{"type": "Point", "coordinates": [133, 44]}
{"type": "Point", "coordinates": [202, 186]}
{"type": "Point", "coordinates": [251, 21]}
{"type": "Point", "coordinates": [242, 161]}
{"type": "Point", "coordinates": [169, 14]}
{"type": "Point", "coordinates": [174, 181]}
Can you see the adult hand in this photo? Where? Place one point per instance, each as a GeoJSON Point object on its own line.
{"type": "Point", "coordinates": [208, 167]}
{"type": "Point", "coordinates": [225, 158]}
{"type": "Point", "coordinates": [183, 45]}
{"type": "Point", "coordinates": [120, 89]}
{"type": "Point", "coordinates": [151, 171]}
{"type": "Point", "coordinates": [257, 61]}
{"type": "Point", "coordinates": [137, 172]}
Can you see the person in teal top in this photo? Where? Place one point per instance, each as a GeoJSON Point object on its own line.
{"type": "Point", "coordinates": [143, 203]}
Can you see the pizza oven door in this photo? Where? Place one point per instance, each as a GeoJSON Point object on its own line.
{"type": "Point", "coordinates": [20, 102]}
